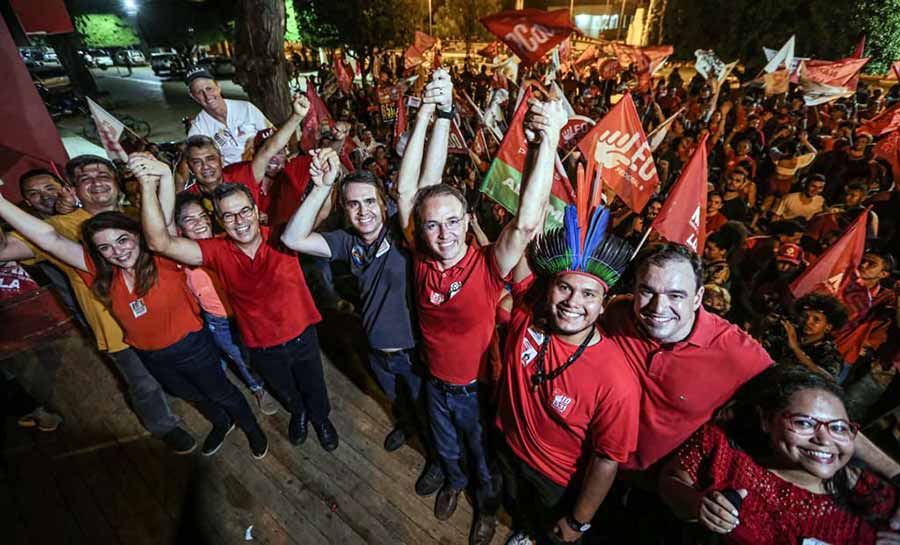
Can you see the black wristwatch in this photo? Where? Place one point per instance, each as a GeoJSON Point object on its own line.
{"type": "Point", "coordinates": [580, 527]}
{"type": "Point", "coordinates": [446, 114]}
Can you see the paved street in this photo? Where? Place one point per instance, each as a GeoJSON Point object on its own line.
{"type": "Point", "coordinates": [162, 102]}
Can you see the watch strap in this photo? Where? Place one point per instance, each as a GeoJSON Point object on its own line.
{"type": "Point", "coordinates": [580, 527]}
{"type": "Point", "coordinates": [446, 114]}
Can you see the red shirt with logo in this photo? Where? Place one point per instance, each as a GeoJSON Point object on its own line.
{"type": "Point", "coordinates": [457, 312]}
{"type": "Point", "coordinates": [683, 383]}
{"type": "Point", "coordinates": [595, 400]}
{"type": "Point", "coordinates": [14, 281]}
{"type": "Point", "coordinates": [268, 293]}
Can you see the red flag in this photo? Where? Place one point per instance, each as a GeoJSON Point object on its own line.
{"type": "Point", "coordinates": [491, 50]}
{"type": "Point", "coordinates": [346, 149]}
{"type": "Point", "coordinates": [833, 269]}
{"type": "Point", "coordinates": [530, 33]}
{"type": "Point", "coordinates": [480, 146]}
{"type": "Point", "coordinates": [888, 148]}
{"type": "Point", "coordinates": [423, 42]}
{"type": "Point", "coordinates": [618, 144]}
{"type": "Point", "coordinates": [565, 50]}
{"type": "Point", "coordinates": [883, 123]}
{"type": "Point", "coordinates": [837, 73]}
{"type": "Point", "coordinates": [457, 142]}
{"type": "Point", "coordinates": [587, 56]}
{"type": "Point", "coordinates": [412, 58]}
{"type": "Point", "coordinates": [858, 52]}
{"type": "Point", "coordinates": [44, 17]}
{"type": "Point", "coordinates": [682, 218]}
{"type": "Point", "coordinates": [400, 123]}
{"type": "Point", "coordinates": [317, 116]}
{"type": "Point", "coordinates": [343, 78]}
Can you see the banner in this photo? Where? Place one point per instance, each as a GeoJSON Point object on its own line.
{"type": "Point", "coordinates": [618, 144]}
{"type": "Point", "coordinates": [833, 270]}
{"type": "Point", "coordinates": [883, 123]}
{"type": "Point", "coordinates": [344, 80]}
{"type": "Point", "coordinates": [387, 102]}
{"type": "Point", "coordinates": [708, 64]}
{"type": "Point", "coordinates": [682, 218]}
{"type": "Point", "coordinates": [457, 142]}
{"type": "Point", "coordinates": [117, 139]}
{"type": "Point", "coordinates": [816, 93]}
{"type": "Point", "coordinates": [572, 132]}
{"type": "Point", "coordinates": [530, 33]}
{"type": "Point", "coordinates": [317, 116]}
{"type": "Point", "coordinates": [784, 56]}
{"type": "Point", "coordinates": [504, 177]}
{"type": "Point", "coordinates": [834, 73]}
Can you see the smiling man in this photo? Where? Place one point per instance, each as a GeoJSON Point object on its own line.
{"type": "Point", "coordinates": [230, 123]}
{"type": "Point", "coordinates": [273, 308]}
{"type": "Point", "coordinates": [41, 189]}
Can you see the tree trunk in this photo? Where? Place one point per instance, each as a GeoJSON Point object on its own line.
{"type": "Point", "coordinates": [66, 47]}
{"type": "Point", "coordinates": [261, 68]}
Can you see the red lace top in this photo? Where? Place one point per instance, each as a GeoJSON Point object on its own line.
{"type": "Point", "coordinates": [776, 512]}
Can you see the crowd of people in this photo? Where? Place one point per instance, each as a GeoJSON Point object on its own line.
{"type": "Point", "coordinates": [561, 375]}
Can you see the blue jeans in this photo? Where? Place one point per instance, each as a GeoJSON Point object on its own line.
{"type": "Point", "coordinates": [293, 372]}
{"type": "Point", "coordinates": [455, 416]}
{"type": "Point", "coordinates": [190, 369]}
{"type": "Point", "coordinates": [393, 367]}
{"type": "Point", "coordinates": [225, 336]}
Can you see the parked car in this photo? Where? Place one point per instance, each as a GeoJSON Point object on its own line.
{"type": "Point", "coordinates": [220, 67]}
{"type": "Point", "coordinates": [124, 57]}
{"type": "Point", "coordinates": [166, 63]}
{"type": "Point", "coordinates": [39, 55]}
{"type": "Point", "coordinates": [96, 58]}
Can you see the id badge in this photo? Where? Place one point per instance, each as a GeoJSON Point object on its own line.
{"type": "Point", "coordinates": [138, 308]}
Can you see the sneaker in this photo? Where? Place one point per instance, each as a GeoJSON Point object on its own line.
{"type": "Point", "coordinates": [215, 440]}
{"type": "Point", "coordinates": [266, 403]}
{"type": "Point", "coordinates": [298, 429]}
{"type": "Point", "coordinates": [519, 538]}
{"type": "Point", "coordinates": [180, 441]}
{"type": "Point", "coordinates": [395, 439]}
{"type": "Point", "coordinates": [327, 435]}
{"type": "Point", "coordinates": [259, 444]}
{"type": "Point", "coordinates": [431, 480]}
{"type": "Point", "coordinates": [42, 419]}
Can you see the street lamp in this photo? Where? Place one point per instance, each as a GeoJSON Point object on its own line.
{"type": "Point", "coordinates": [131, 7]}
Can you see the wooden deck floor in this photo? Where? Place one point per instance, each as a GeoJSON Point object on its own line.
{"type": "Point", "coordinates": [101, 479]}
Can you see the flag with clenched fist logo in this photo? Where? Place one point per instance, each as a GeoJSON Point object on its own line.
{"type": "Point", "coordinates": [530, 33]}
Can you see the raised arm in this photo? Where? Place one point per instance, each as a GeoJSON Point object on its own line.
{"type": "Point", "coordinates": [299, 235]}
{"type": "Point", "coordinates": [153, 222]}
{"type": "Point", "coordinates": [281, 137]}
{"type": "Point", "coordinates": [546, 118]}
{"type": "Point", "coordinates": [440, 90]}
{"type": "Point", "coordinates": [40, 233]}
{"type": "Point", "coordinates": [411, 166]}
{"type": "Point", "coordinates": [150, 165]}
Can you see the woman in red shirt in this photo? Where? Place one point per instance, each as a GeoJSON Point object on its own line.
{"type": "Point", "coordinates": [791, 485]}
{"type": "Point", "coordinates": [148, 296]}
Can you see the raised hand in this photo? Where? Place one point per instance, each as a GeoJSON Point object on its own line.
{"type": "Point", "coordinates": [439, 91]}
{"type": "Point", "coordinates": [147, 168]}
{"type": "Point", "coordinates": [545, 118]}
{"type": "Point", "coordinates": [66, 202]}
{"type": "Point", "coordinates": [325, 167]}
{"type": "Point", "coordinates": [718, 514]}
{"type": "Point", "coordinates": [300, 105]}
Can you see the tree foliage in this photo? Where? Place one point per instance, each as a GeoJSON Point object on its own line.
{"type": "Point", "coordinates": [291, 32]}
{"type": "Point", "coordinates": [458, 19]}
{"type": "Point", "coordinates": [105, 30]}
{"type": "Point", "coordinates": [879, 20]}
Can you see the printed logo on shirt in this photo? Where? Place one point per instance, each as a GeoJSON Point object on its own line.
{"type": "Point", "coordinates": [528, 352]}
{"type": "Point", "coordinates": [246, 128]}
{"type": "Point", "coordinates": [138, 308]}
{"type": "Point", "coordinates": [436, 298]}
{"type": "Point", "coordinates": [454, 288]}
{"type": "Point", "coordinates": [356, 256]}
{"type": "Point", "coordinates": [224, 138]}
{"type": "Point", "coordinates": [813, 541]}
{"type": "Point", "coordinates": [561, 402]}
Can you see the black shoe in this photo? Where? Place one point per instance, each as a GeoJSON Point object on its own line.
{"type": "Point", "coordinates": [431, 480]}
{"type": "Point", "coordinates": [483, 530]}
{"type": "Point", "coordinates": [395, 439]}
{"type": "Point", "coordinates": [215, 440]}
{"type": "Point", "coordinates": [328, 436]}
{"type": "Point", "coordinates": [180, 441]}
{"type": "Point", "coordinates": [445, 504]}
{"type": "Point", "coordinates": [259, 445]}
{"type": "Point", "coordinates": [298, 429]}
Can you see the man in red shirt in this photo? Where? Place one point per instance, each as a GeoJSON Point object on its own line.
{"type": "Point", "coordinates": [274, 310]}
{"type": "Point", "coordinates": [458, 287]}
{"type": "Point", "coordinates": [204, 159]}
{"type": "Point", "coordinates": [569, 403]}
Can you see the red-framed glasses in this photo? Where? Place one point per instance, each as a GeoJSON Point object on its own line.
{"type": "Point", "coordinates": [803, 424]}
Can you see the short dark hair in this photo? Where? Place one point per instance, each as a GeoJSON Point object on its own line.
{"type": "Point", "coordinates": [199, 141]}
{"type": "Point", "coordinates": [664, 252]}
{"type": "Point", "coordinates": [437, 190]}
{"type": "Point", "coordinates": [185, 199]}
{"type": "Point", "coordinates": [34, 173]}
{"type": "Point", "coordinates": [227, 190]}
{"type": "Point", "coordinates": [82, 161]}
{"type": "Point", "coordinates": [856, 186]}
{"type": "Point", "coordinates": [890, 263]}
{"type": "Point", "coordinates": [835, 312]}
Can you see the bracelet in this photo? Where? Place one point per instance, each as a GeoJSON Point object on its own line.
{"type": "Point", "coordinates": [446, 114]}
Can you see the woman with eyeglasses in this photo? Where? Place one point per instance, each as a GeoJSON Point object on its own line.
{"type": "Point", "coordinates": [148, 296]}
{"type": "Point", "coordinates": [780, 474]}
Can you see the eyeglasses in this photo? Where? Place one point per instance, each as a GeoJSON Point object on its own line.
{"type": "Point", "coordinates": [807, 426]}
{"type": "Point", "coordinates": [231, 217]}
{"type": "Point", "coordinates": [451, 224]}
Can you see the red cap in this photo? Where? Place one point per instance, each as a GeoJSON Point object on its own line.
{"type": "Point", "coordinates": [790, 253]}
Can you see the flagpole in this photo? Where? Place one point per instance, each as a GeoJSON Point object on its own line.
{"type": "Point", "coordinates": [641, 243]}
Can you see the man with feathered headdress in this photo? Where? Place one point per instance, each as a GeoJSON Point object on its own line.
{"type": "Point", "coordinates": [569, 403]}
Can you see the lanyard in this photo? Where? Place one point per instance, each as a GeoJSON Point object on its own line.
{"type": "Point", "coordinates": [540, 376]}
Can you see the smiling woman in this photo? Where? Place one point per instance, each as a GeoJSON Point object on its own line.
{"type": "Point", "coordinates": [785, 456]}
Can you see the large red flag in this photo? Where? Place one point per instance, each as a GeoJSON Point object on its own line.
{"type": "Point", "coordinates": [343, 77]}
{"type": "Point", "coordinates": [888, 149]}
{"type": "Point", "coordinates": [682, 218]}
{"type": "Point", "coordinates": [530, 33]}
{"type": "Point", "coordinates": [833, 270]}
{"type": "Point", "coordinates": [836, 73]}
{"type": "Point", "coordinates": [883, 123]}
{"type": "Point", "coordinates": [618, 144]}
{"type": "Point", "coordinates": [317, 116]}
{"type": "Point", "coordinates": [423, 42]}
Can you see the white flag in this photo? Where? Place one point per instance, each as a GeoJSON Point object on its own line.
{"type": "Point", "coordinates": [555, 89]}
{"type": "Point", "coordinates": [109, 129]}
{"type": "Point", "coordinates": [708, 64]}
{"type": "Point", "coordinates": [784, 56]}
